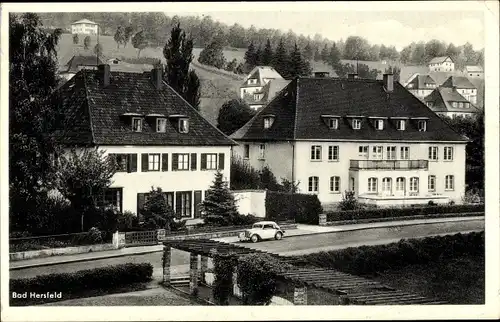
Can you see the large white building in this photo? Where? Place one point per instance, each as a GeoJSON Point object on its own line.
{"type": "Point", "coordinates": [261, 85]}
{"type": "Point", "coordinates": [372, 137]}
{"type": "Point", "coordinates": [156, 137]}
{"type": "Point", "coordinates": [441, 64]}
{"type": "Point", "coordinates": [84, 27]}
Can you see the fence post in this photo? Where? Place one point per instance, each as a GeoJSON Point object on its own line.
{"type": "Point", "coordinates": [115, 240]}
{"type": "Point", "coordinates": [322, 219]}
{"type": "Point", "coordinates": [300, 295]}
{"type": "Point", "coordinates": [203, 268]}
{"type": "Point", "coordinates": [193, 274]}
{"type": "Point", "coordinates": [161, 234]}
{"type": "Point", "coordinates": [167, 254]}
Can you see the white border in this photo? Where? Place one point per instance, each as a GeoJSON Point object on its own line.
{"type": "Point", "coordinates": [490, 310]}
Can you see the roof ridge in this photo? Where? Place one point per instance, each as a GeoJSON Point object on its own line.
{"type": "Point", "coordinates": [88, 105]}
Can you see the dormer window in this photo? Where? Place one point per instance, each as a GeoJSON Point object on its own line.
{"type": "Point", "coordinates": [183, 125]}
{"type": "Point", "coordinates": [252, 81]}
{"type": "Point", "coordinates": [379, 124]}
{"type": "Point", "coordinates": [356, 124]}
{"type": "Point", "coordinates": [422, 125]}
{"type": "Point", "coordinates": [333, 123]}
{"type": "Point", "coordinates": [430, 104]}
{"type": "Point", "coordinates": [137, 124]}
{"type": "Point", "coordinates": [268, 121]}
{"type": "Point", "coordinates": [401, 125]}
{"type": "Point", "coordinates": [161, 125]}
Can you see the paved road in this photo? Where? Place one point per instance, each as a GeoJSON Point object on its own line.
{"type": "Point", "coordinates": [287, 246]}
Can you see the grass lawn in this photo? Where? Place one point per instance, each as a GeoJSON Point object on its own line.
{"type": "Point", "coordinates": [457, 281]}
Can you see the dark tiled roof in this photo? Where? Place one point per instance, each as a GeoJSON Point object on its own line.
{"type": "Point", "coordinates": [458, 82]}
{"type": "Point", "coordinates": [94, 113]}
{"type": "Point", "coordinates": [443, 98]}
{"type": "Point", "coordinates": [81, 60]}
{"type": "Point", "coordinates": [299, 107]}
{"type": "Point", "coordinates": [420, 80]}
{"type": "Point", "coordinates": [438, 60]}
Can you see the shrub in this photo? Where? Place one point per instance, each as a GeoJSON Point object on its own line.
{"type": "Point", "coordinates": [140, 60]}
{"type": "Point", "coordinates": [178, 225]}
{"type": "Point", "coordinates": [104, 278]}
{"type": "Point", "coordinates": [157, 213]}
{"type": "Point", "coordinates": [224, 265]}
{"type": "Point", "coordinates": [219, 207]}
{"type": "Point", "coordinates": [302, 208]}
{"type": "Point", "coordinates": [243, 176]}
{"type": "Point", "coordinates": [127, 221]}
{"type": "Point", "coordinates": [349, 201]}
{"type": "Point", "coordinates": [256, 277]}
{"type": "Point", "coordinates": [372, 259]}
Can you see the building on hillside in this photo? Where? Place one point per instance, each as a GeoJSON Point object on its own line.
{"type": "Point", "coordinates": [441, 64]}
{"type": "Point", "coordinates": [446, 101]}
{"type": "Point", "coordinates": [372, 137]}
{"type": "Point", "coordinates": [474, 71]}
{"type": "Point", "coordinates": [156, 137]}
{"type": "Point", "coordinates": [77, 63]}
{"type": "Point", "coordinates": [421, 86]}
{"type": "Point", "coordinates": [84, 27]}
{"type": "Point", "coordinates": [464, 86]}
{"type": "Point", "coordinates": [260, 86]}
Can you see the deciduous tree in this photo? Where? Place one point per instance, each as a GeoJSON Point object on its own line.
{"type": "Point", "coordinates": [213, 55]}
{"type": "Point", "coordinates": [86, 42]}
{"type": "Point", "coordinates": [233, 115]}
{"type": "Point", "coordinates": [139, 42]}
{"type": "Point", "coordinates": [75, 39]}
{"type": "Point", "coordinates": [119, 36]}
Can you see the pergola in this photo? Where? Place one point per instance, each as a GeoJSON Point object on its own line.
{"type": "Point", "coordinates": [345, 288]}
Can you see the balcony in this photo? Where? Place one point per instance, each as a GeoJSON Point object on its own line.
{"type": "Point", "coordinates": [389, 165]}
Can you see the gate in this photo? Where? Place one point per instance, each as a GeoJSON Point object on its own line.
{"type": "Point", "coordinates": [141, 238]}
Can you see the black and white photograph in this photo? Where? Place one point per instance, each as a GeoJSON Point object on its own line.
{"type": "Point", "coordinates": [340, 157]}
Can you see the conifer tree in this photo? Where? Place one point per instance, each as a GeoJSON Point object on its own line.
{"type": "Point", "coordinates": [250, 58]}
{"type": "Point", "coordinates": [324, 53]}
{"type": "Point", "coordinates": [280, 60]}
{"type": "Point", "coordinates": [219, 207]}
{"type": "Point", "coordinates": [298, 66]}
{"type": "Point", "coordinates": [267, 54]}
{"type": "Point", "coordinates": [258, 56]}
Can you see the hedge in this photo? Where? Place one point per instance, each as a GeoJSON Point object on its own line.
{"type": "Point", "coordinates": [371, 259]}
{"type": "Point", "coordinates": [302, 208]}
{"type": "Point", "coordinates": [102, 278]}
{"type": "Point", "coordinates": [400, 212]}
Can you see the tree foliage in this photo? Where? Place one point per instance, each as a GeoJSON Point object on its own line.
{"type": "Point", "coordinates": [98, 50]}
{"type": "Point", "coordinates": [86, 42]}
{"type": "Point", "coordinates": [233, 115]}
{"type": "Point", "coordinates": [298, 66]}
{"type": "Point", "coordinates": [267, 54]}
{"type": "Point", "coordinates": [139, 42]}
{"type": "Point", "coordinates": [219, 207]}
{"type": "Point", "coordinates": [280, 60]}
{"type": "Point", "coordinates": [75, 39]}
{"type": "Point", "coordinates": [157, 214]}
{"type": "Point", "coordinates": [213, 55]}
{"type": "Point", "coordinates": [119, 36]}
{"type": "Point", "coordinates": [224, 266]}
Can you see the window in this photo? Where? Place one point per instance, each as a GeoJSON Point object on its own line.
{"type": "Point", "coordinates": [183, 126]}
{"type": "Point", "coordinates": [449, 182]}
{"type": "Point", "coordinates": [183, 161]}
{"type": "Point", "coordinates": [246, 154]}
{"type": "Point", "coordinates": [335, 184]}
{"type": "Point", "coordinates": [136, 124]}
{"type": "Point", "coordinates": [401, 124]}
{"type": "Point", "coordinates": [454, 104]}
{"type": "Point", "coordinates": [257, 97]}
{"type": "Point", "coordinates": [404, 153]}
{"type": "Point", "coordinates": [154, 162]}
{"type": "Point", "coordinates": [448, 153]}
{"type": "Point", "coordinates": [161, 125]}
{"type": "Point", "coordinates": [422, 126]}
{"type": "Point", "coordinates": [363, 151]}
{"type": "Point", "coordinates": [333, 153]}
{"type": "Point", "coordinates": [460, 104]}
{"type": "Point", "coordinates": [377, 152]}
{"type": "Point", "coordinates": [414, 184]}
{"type": "Point", "coordinates": [391, 152]}
{"type": "Point", "coordinates": [121, 161]}
{"type": "Point", "coordinates": [400, 184]}
{"type": "Point", "coordinates": [431, 185]}
{"type": "Point", "coordinates": [184, 199]}
{"type": "Point", "coordinates": [262, 151]}
{"type": "Point", "coordinates": [356, 124]}
{"type": "Point", "coordinates": [433, 153]}
{"type": "Point", "coordinates": [379, 124]}
{"type": "Point", "coordinates": [430, 104]}
{"type": "Point", "coordinates": [313, 184]}
{"type": "Point", "coordinates": [211, 163]}
{"type": "Point", "coordinates": [316, 152]}
{"type": "Point", "coordinates": [466, 105]}
{"type": "Point", "coordinates": [333, 123]}
{"type": "Point", "coordinates": [268, 121]}
{"type": "Point", "coordinates": [387, 185]}
{"type": "Point", "coordinates": [372, 185]}
{"type": "Point", "coordinates": [111, 199]}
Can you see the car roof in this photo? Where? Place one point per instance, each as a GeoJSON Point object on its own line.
{"type": "Point", "coordinates": [265, 222]}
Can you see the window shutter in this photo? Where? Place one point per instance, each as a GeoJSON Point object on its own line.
{"type": "Point", "coordinates": [144, 162]}
{"type": "Point", "coordinates": [140, 204]}
{"type": "Point", "coordinates": [193, 161]}
{"type": "Point", "coordinates": [178, 201]}
{"type": "Point", "coordinates": [164, 162]}
{"type": "Point", "coordinates": [132, 162]}
{"type": "Point", "coordinates": [175, 161]}
{"type": "Point", "coordinates": [221, 161]}
{"type": "Point", "coordinates": [203, 165]}
{"type": "Point", "coordinates": [197, 202]}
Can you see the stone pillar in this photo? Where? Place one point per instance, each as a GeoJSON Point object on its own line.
{"type": "Point", "coordinates": [167, 254]}
{"type": "Point", "coordinates": [203, 268]}
{"type": "Point", "coordinates": [236, 288]}
{"type": "Point", "coordinates": [322, 219]}
{"type": "Point", "coordinates": [300, 295]}
{"type": "Point", "coordinates": [193, 273]}
{"type": "Point", "coordinates": [161, 234]}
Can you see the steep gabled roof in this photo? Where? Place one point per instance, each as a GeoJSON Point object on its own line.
{"type": "Point", "coordinates": [439, 60]}
{"type": "Point", "coordinates": [458, 82]}
{"type": "Point", "coordinates": [269, 90]}
{"type": "Point", "coordinates": [94, 114]}
{"type": "Point", "coordinates": [84, 21]}
{"type": "Point", "coordinates": [420, 80]}
{"type": "Point", "coordinates": [474, 69]}
{"type": "Point", "coordinates": [81, 60]}
{"type": "Point", "coordinates": [298, 111]}
{"type": "Point", "coordinates": [260, 73]}
{"type": "Point", "coordinates": [443, 98]}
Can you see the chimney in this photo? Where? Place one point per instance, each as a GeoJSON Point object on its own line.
{"type": "Point", "coordinates": [321, 74]}
{"type": "Point", "coordinates": [352, 76]}
{"type": "Point", "coordinates": [157, 76]}
{"type": "Point", "coordinates": [103, 72]}
{"type": "Point", "coordinates": [389, 82]}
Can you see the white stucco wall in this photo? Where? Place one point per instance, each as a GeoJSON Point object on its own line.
{"type": "Point", "coordinates": [251, 202]}
{"type": "Point", "coordinates": [249, 90]}
{"type": "Point", "coordinates": [84, 29]}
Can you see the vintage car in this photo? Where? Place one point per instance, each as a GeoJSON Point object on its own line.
{"type": "Point", "coordinates": [262, 230]}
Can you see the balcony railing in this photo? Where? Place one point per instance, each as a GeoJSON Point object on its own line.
{"type": "Point", "coordinates": [389, 164]}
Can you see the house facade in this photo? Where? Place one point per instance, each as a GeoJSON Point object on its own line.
{"type": "Point", "coordinates": [421, 86]}
{"type": "Point", "coordinates": [156, 138]}
{"type": "Point", "coordinates": [446, 101]}
{"type": "Point", "coordinates": [463, 86]}
{"type": "Point", "coordinates": [261, 85]}
{"type": "Point", "coordinates": [474, 71]}
{"type": "Point", "coordinates": [371, 137]}
{"type": "Point", "coordinates": [441, 64]}
{"type": "Point", "coordinates": [84, 27]}
{"type": "Point", "coordinates": [77, 63]}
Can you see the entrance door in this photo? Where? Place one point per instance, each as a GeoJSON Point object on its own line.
{"type": "Point", "coordinates": [197, 202]}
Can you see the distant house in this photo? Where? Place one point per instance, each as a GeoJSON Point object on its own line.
{"type": "Point", "coordinates": [261, 85]}
{"type": "Point", "coordinates": [421, 86]}
{"type": "Point", "coordinates": [463, 86]}
{"type": "Point", "coordinates": [442, 64]}
{"type": "Point", "coordinates": [77, 63]}
{"type": "Point", "coordinates": [474, 71]}
{"type": "Point", "coordinates": [449, 102]}
{"type": "Point", "coordinates": [84, 27]}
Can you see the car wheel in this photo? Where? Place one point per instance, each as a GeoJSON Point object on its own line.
{"type": "Point", "coordinates": [254, 238]}
{"type": "Point", "coordinates": [278, 236]}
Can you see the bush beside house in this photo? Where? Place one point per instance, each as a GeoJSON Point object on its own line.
{"type": "Point", "coordinates": [283, 206]}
